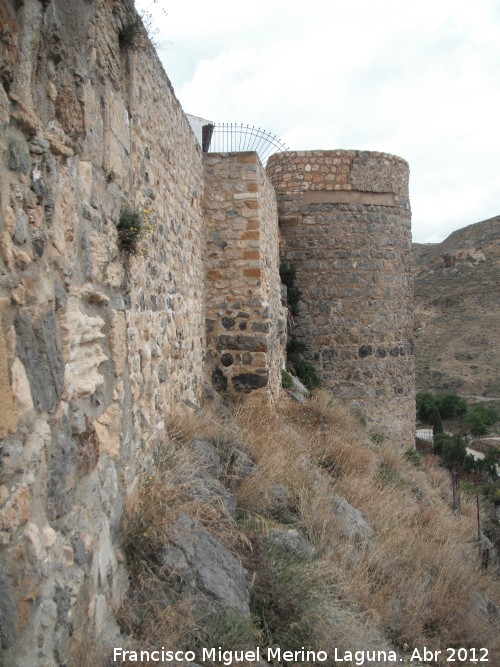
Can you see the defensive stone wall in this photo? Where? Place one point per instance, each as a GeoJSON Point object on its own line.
{"type": "Point", "coordinates": [246, 324]}
{"type": "Point", "coordinates": [345, 226]}
{"type": "Point", "coordinates": [97, 347]}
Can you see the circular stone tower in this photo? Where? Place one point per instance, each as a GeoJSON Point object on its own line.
{"type": "Point", "coordinates": [345, 227]}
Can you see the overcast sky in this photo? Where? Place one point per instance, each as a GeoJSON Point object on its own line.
{"type": "Point", "coordinates": [419, 79]}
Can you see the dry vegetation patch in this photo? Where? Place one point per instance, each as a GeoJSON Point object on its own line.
{"type": "Point", "coordinates": [408, 575]}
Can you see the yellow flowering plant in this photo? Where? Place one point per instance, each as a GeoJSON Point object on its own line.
{"type": "Point", "coordinates": [135, 225]}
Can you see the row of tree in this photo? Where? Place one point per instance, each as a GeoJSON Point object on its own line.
{"type": "Point", "coordinates": [433, 408]}
{"type": "Point", "coordinates": [453, 451]}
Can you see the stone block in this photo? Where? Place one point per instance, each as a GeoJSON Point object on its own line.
{"type": "Point", "coordinates": [83, 353]}
{"type": "Point", "coordinates": [61, 473]}
{"type": "Point", "coordinates": [19, 157]}
{"type": "Point", "coordinates": [8, 610]}
{"type": "Point", "coordinates": [39, 348]}
{"type": "Point", "coordinates": [8, 414]}
{"type": "Point", "coordinates": [21, 389]}
{"type": "Point", "coordinates": [248, 382]}
{"type": "Point", "coordinates": [242, 342]}
{"type": "Point", "coordinates": [108, 430]}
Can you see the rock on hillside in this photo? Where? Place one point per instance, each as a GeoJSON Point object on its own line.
{"type": "Point", "coordinates": [457, 314]}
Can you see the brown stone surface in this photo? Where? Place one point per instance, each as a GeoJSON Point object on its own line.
{"type": "Point", "coordinates": [353, 259]}
{"type": "Point", "coordinates": [105, 344]}
{"type": "Point", "coordinates": [243, 284]}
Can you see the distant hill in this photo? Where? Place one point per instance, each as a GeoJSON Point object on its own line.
{"type": "Point", "coordinates": [457, 311]}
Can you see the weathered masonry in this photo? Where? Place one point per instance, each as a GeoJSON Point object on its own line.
{"type": "Point", "coordinates": [97, 348]}
{"type": "Point", "coordinates": [246, 323]}
{"type": "Point", "coordinates": [345, 226]}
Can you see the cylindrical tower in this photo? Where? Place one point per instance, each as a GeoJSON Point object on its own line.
{"type": "Point", "coordinates": [345, 226]}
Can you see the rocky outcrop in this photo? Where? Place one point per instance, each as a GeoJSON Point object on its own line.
{"type": "Point", "coordinates": [200, 565]}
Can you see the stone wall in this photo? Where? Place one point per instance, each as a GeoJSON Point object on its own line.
{"type": "Point", "coordinates": [246, 324]}
{"type": "Point", "coordinates": [345, 223]}
{"type": "Point", "coordinates": [96, 347]}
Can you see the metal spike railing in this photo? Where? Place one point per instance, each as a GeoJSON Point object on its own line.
{"type": "Point", "coordinates": [240, 137]}
{"type": "Point", "coordinates": [236, 137]}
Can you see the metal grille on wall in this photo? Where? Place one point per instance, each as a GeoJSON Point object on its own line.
{"type": "Point", "coordinates": [240, 137]}
{"type": "Point", "coordinates": [236, 137]}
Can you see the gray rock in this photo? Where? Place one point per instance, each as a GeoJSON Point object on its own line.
{"type": "Point", "coordinates": [239, 464]}
{"type": "Point", "coordinates": [39, 348]}
{"type": "Point", "coordinates": [291, 542]}
{"type": "Point", "coordinates": [162, 372]}
{"type": "Point", "coordinates": [19, 158]}
{"type": "Point", "coordinates": [8, 612]}
{"type": "Point", "coordinates": [39, 241]}
{"type": "Point", "coordinates": [299, 388]}
{"type": "Point", "coordinates": [207, 489]}
{"type": "Point", "coordinates": [61, 297]}
{"type": "Point", "coordinates": [242, 342]}
{"type": "Point", "coordinates": [209, 457]}
{"type": "Point", "coordinates": [299, 398]}
{"type": "Point", "coordinates": [61, 481]}
{"type": "Point", "coordinates": [485, 609]}
{"type": "Point", "coordinates": [354, 525]}
{"type": "Point", "coordinates": [202, 566]}
{"type": "Point", "coordinates": [248, 382]}
{"type": "Point", "coordinates": [21, 229]}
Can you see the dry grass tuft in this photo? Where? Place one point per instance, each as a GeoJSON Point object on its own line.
{"type": "Point", "coordinates": [414, 581]}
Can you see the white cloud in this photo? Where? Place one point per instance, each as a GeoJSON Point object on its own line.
{"type": "Point", "coordinates": [417, 79]}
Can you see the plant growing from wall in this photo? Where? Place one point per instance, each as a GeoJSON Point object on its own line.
{"type": "Point", "coordinates": [295, 362]}
{"type": "Point", "coordinates": [131, 32]}
{"type": "Point", "coordinates": [139, 25]}
{"type": "Point", "coordinates": [288, 275]}
{"type": "Point", "coordinates": [134, 227]}
{"type": "Point", "coordinates": [305, 371]}
{"type": "Point", "coordinates": [286, 380]}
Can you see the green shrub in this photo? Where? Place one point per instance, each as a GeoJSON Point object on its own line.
{"type": "Point", "coordinates": [413, 456]}
{"type": "Point", "coordinates": [452, 450]}
{"type": "Point", "coordinates": [293, 294]}
{"type": "Point", "coordinates": [286, 380]}
{"type": "Point", "coordinates": [307, 374]}
{"type": "Point", "coordinates": [132, 32]}
{"type": "Point", "coordinates": [377, 438]}
{"type": "Point", "coordinates": [135, 226]}
{"type": "Point", "coordinates": [436, 421]}
{"type": "Point", "coordinates": [480, 418]}
{"type": "Point", "coordinates": [450, 405]}
{"type": "Point", "coordinates": [305, 371]}
{"type": "Point", "coordinates": [440, 439]}
{"type": "Point", "coordinates": [129, 229]}
{"type": "Point", "coordinates": [426, 403]}
{"type": "Point", "coordinates": [228, 629]}
{"type": "Point", "coordinates": [490, 463]}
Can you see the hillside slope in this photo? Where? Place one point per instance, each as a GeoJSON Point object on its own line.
{"type": "Point", "coordinates": [297, 528]}
{"type": "Point", "coordinates": [457, 314]}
